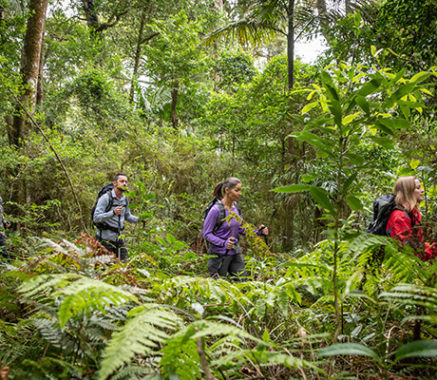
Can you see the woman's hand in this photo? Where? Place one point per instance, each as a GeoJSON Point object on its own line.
{"type": "Point", "coordinates": [263, 229]}
{"type": "Point", "coordinates": [231, 242]}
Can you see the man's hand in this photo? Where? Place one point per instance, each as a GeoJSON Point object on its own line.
{"type": "Point", "coordinates": [118, 210]}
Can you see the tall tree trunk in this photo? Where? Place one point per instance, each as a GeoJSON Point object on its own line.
{"type": "Point", "coordinates": [91, 17]}
{"type": "Point", "coordinates": [174, 102]}
{"type": "Point", "coordinates": [40, 83]}
{"type": "Point", "coordinates": [137, 55]}
{"type": "Point", "coordinates": [30, 59]}
{"type": "Point", "coordinates": [290, 44]}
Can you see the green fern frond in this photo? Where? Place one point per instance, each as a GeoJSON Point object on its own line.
{"type": "Point", "coordinates": [135, 372]}
{"type": "Point", "coordinates": [404, 266]}
{"type": "Point", "coordinates": [45, 284]}
{"type": "Point", "coordinates": [67, 248]}
{"type": "Point", "coordinates": [180, 356]}
{"type": "Point", "coordinates": [51, 332]}
{"type": "Point", "coordinates": [77, 294]}
{"type": "Point", "coordinates": [213, 329]}
{"type": "Point", "coordinates": [86, 294]}
{"type": "Point", "coordinates": [73, 248]}
{"type": "Point", "coordinates": [142, 334]}
{"type": "Point", "coordinates": [103, 259]}
{"type": "Point", "coordinates": [287, 360]}
{"type": "Point", "coordinates": [410, 294]}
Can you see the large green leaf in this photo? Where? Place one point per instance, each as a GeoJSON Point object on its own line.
{"type": "Point", "coordinates": [318, 142]}
{"type": "Point", "coordinates": [297, 188]}
{"type": "Point", "coordinates": [395, 123]}
{"type": "Point", "coordinates": [320, 195]}
{"type": "Point", "coordinates": [420, 77]}
{"type": "Point", "coordinates": [369, 87]}
{"type": "Point", "coordinates": [354, 203]}
{"type": "Point", "coordinates": [383, 141]}
{"type": "Point", "coordinates": [398, 94]}
{"type": "Point", "coordinates": [422, 348]}
{"type": "Point", "coordinates": [349, 349]}
{"type": "Point", "coordinates": [335, 108]}
{"type": "Point", "coordinates": [309, 107]}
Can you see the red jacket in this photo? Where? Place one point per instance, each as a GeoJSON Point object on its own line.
{"type": "Point", "coordinates": [399, 226]}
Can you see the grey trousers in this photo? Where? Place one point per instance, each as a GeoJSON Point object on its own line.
{"type": "Point", "coordinates": [221, 265]}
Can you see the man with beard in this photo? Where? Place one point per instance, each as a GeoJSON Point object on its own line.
{"type": "Point", "coordinates": [109, 216]}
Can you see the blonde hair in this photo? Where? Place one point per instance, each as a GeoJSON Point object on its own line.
{"type": "Point", "coordinates": [404, 192]}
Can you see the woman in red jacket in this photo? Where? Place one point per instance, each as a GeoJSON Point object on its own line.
{"type": "Point", "coordinates": [404, 222]}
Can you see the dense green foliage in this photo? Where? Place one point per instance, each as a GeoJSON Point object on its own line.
{"type": "Point", "coordinates": [162, 91]}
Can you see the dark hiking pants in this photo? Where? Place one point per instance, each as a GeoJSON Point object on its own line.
{"type": "Point", "coordinates": [221, 265]}
{"type": "Point", "coordinates": [119, 248]}
{"type": "Point", "coordinates": [3, 251]}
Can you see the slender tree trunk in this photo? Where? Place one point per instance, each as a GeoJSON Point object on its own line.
{"type": "Point", "coordinates": [174, 102]}
{"type": "Point", "coordinates": [290, 44]}
{"type": "Point", "coordinates": [40, 83]}
{"type": "Point", "coordinates": [30, 60]}
{"type": "Point", "coordinates": [137, 54]}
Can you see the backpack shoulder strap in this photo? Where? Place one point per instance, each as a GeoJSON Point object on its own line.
{"type": "Point", "coordinates": [110, 202]}
{"type": "Point", "coordinates": [221, 217]}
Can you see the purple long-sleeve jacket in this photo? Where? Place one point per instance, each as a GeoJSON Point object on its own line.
{"type": "Point", "coordinates": [219, 240]}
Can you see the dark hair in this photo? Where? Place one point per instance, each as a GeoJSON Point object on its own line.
{"type": "Point", "coordinates": [115, 179]}
{"type": "Point", "coordinates": [230, 183]}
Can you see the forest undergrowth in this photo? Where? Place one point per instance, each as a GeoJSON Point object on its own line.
{"type": "Point", "coordinates": [72, 310]}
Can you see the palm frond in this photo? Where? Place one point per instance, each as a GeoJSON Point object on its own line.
{"type": "Point", "coordinates": [244, 31]}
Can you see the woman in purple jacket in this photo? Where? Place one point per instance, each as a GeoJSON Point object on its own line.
{"type": "Point", "coordinates": [223, 236]}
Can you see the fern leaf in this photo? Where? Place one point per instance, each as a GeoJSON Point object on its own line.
{"type": "Point", "coordinates": [140, 335]}
{"type": "Point", "coordinates": [86, 294]}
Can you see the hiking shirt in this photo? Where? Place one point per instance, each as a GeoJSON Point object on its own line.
{"type": "Point", "coordinates": [116, 221]}
{"type": "Point", "coordinates": [400, 227]}
{"type": "Point", "coordinates": [219, 240]}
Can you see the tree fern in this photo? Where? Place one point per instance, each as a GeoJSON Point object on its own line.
{"type": "Point", "coordinates": [141, 335]}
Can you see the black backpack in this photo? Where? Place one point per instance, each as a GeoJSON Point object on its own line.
{"type": "Point", "coordinates": [103, 225]}
{"type": "Point", "coordinates": [382, 209]}
{"type": "Point", "coordinates": [222, 212]}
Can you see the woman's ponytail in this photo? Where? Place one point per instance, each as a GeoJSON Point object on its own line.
{"type": "Point", "coordinates": [218, 193]}
{"type": "Point", "coordinates": [230, 183]}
